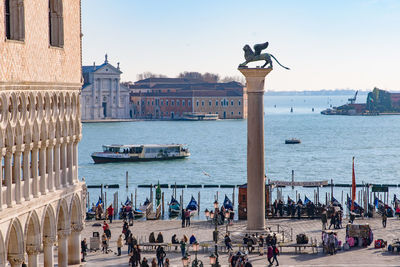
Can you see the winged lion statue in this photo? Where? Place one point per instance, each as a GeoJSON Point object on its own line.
{"type": "Point", "coordinates": [251, 56]}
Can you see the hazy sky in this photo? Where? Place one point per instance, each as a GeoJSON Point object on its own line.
{"type": "Point", "coordinates": [327, 44]}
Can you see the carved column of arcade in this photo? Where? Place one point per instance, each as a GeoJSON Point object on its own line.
{"type": "Point", "coordinates": [8, 177]}
{"type": "Point", "coordinates": [63, 247]}
{"type": "Point", "coordinates": [48, 245]}
{"type": "Point", "coordinates": [17, 175]}
{"type": "Point", "coordinates": [49, 164]}
{"type": "Point", "coordinates": [255, 147]}
{"type": "Point", "coordinates": [15, 260]}
{"type": "Point", "coordinates": [74, 244]}
{"type": "Point", "coordinates": [57, 177]}
{"type": "Point", "coordinates": [75, 154]}
{"type": "Point", "coordinates": [26, 172]}
{"type": "Point", "coordinates": [33, 255]}
{"type": "Point", "coordinates": [63, 163]}
{"type": "Point", "coordinates": [34, 170]}
{"type": "Point", "coordinates": [2, 151]}
{"type": "Point", "coordinates": [42, 168]}
{"type": "Point", "coordinates": [70, 161]}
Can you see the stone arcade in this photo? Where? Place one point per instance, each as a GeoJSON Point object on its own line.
{"type": "Point", "coordinates": [41, 199]}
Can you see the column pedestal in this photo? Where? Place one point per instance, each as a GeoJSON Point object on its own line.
{"type": "Point", "coordinates": [48, 244]}
{"type": "Point", "coordinates": [63, 248]}
{"type": "Point", "coordinates": [255, 147]}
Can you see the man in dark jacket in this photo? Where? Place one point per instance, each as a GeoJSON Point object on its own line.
{"type": "Point", "coordinates": [83, 249]}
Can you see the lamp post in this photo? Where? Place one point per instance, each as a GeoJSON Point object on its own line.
{"type": "Point", "coordinates": [214, 257]}
{"type": "Point", "coordinates": [196, 262]}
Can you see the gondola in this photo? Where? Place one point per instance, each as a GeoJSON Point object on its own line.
{"type": "Point", "coordinates": [192, 207]}
{"type": "Point", "coordinates": [357, 208]}
{"type": "Point", "coordinates": [141, 211]}
{"type": "Point", "coordinates": [174, 207]}
{"type": "Point", "coordinates": [228, 205]}
{"type": "Point", "coordinates": [382, 207]}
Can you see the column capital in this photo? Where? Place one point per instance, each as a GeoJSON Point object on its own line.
{"type": "Point", "coordinates": [255, 78]}
{"type": "Point", "coordinates": [32, 250]}
{"type": "Point", "coordinates": [15, 259]}
{"type": "Point", "coordinates": [63, 233]}
{"type": "Point", "coordinates": [48, 241]}
{"type": "Point", "coordinates": [76, 227]}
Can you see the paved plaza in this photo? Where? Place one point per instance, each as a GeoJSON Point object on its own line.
{"type": "Point", "coordinates": [203, 231]}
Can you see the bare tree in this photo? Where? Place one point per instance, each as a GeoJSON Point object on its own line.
{"type": "Point", "coordinates": [148, 74]}
{"type": "Point", "coordinates": [191, 75]}
{"type": "Point", "coordinates": [210, 77]}
{"type": "Point", "coordinates": [238, 79]}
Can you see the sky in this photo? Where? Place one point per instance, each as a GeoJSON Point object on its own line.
{"type": "Point", "coordinates": [348, 44]}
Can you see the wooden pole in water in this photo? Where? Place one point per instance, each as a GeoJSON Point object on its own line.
{"type": "Point", "coordinates": [127, 178]}
{"type": "Point", "coordinates": [326, 198]}
{"type": "Point", "coordinates": [217, 195]}
{"type": "Point", "coordinates": [198, 196]}
{"type": "Point", "coordinates": [331, 190]}
{"type": "Point", "coordinates": [175, 190]}
{"type": "Point", "coordinates": [135, 196]}
{"type": "Point", "coordinates": [292, 179]}
{"type": "Point", "coordinates": [101, 192]}
{"type": "Point", "coordinates": [342, 199]}
{"type": "Point", "coordinates": [233, 198]}
{"type": "Point", "coordinates": [317, 194]}
{"type": "Point", "coordinates": [88, 201]}
{"type": "Point", "coordinates": [105, 202]}
{"type": "Point", "coordinates": [162, 203]}
{"type": "Point", "coordinates": [296, 197]}
{"type": "Point", "coordinates": [182, 199]}
{"type": "Point", "coordinates": [151, 193]}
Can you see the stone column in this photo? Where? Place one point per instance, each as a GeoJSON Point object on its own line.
{"type": "Point", "coordinates": [75, 163]}
{"type": "Point", "coordinates": [255, 147]}
{"type": "Point", "coordinates": [16, 260]}
{"type": "Point", "coordinates": [57, 177]}
{"type": "Point", "coordinates": [48, 243]}
{"type": "Point", "coordinates": [1, 181]}
{"type": "Point", "coordinates": [63, 164]}
{"type": "Point", "coordinates": [26, 174]}
{"type": "Point", "coordinates": [33, 256]}
{"type": "Point", "coordinates": [17, 176]}
{"type": "Point", "coordinates": [42, 168]}
{"type": "Point", "coordinates": [74, 244]}
{"type": "Point", "coordinates": [34, 170]}
{"type": "Point", "coordinates": [49, 166]}
{"type": "Point", "coordinates": [63, 247]}
{"type": "Point", "coordinates": [8, 177]}
{"type": "Point", "coordinates": [70, 162]}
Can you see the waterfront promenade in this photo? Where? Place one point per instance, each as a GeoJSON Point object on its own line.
{"type": "Point", "coordinates": [203, 231]}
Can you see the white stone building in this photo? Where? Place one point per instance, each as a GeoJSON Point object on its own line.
{"type": "Point", "coordinates": [103, 97]}
{"type": "Point", "coordinates": [42, 202]}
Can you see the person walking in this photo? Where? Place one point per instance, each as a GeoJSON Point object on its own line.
{"type": "Point", "coordinates": [261, 245]}
{"type": "Point", "coordinates": [333, 222]}
{"type": "Point", "coordinates": [153, 263]}
{"type": "Point", "coordinates": [384, 219]}
{"type": "Point", "coordinates": [324, 219]}
{"type": "Point", "coordinates": [119, 245]}
{"type": "Point", "coordinates": [130, 243]}
{"type": "Point", "coordinates": [166, 263]}
{"type": "Point", "coordinates": [228, 242]}
{"type": "Point", "coordinates": [183, 248]}
{"type": "Point", "coordinates": [136, 254]}
{"type": "Point", "coordinates": [83, 249]}
{"type": "Point", "coordinates": [104, 243]}
{"type": "Point", "coordinates": [270, 255]}
{"type": "Point", "coordinates": [187, 218]}
{"type": "Point", "coordinates": [144, 263]}
{"type": "Point", "coordinates": [160, 254]}
{"type": "Point", "coordinates": [275, 253]}
{"type": "Point", "coordinates": [110, 212]}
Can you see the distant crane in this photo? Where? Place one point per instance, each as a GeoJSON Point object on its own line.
{"type": "Point", "coordinates": [353, 100]}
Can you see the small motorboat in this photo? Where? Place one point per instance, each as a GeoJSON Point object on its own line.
{"type": "Point", "coordinates": [192, 207]}
{"type": "Point", "coordinates": [292, 141]}
{"type": "Point", "coordinates": [174, 207]}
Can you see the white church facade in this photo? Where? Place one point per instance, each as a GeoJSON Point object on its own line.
{"type": "Point", "coordinates": [103, 97]}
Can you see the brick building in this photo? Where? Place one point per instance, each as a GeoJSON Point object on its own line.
{"type": "Point", "coordinates": [172, 98]}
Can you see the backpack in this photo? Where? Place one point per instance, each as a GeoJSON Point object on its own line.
{"type": "Point", "coordinates": [276, 251]}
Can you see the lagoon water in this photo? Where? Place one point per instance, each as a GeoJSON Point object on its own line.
{"type": "Point", "coordinates": [219, 149]}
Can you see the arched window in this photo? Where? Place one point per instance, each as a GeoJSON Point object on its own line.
{"type": "Point", "coordinates": [56, 24]}
{"type": "Point", "coordinates": [15, 21]}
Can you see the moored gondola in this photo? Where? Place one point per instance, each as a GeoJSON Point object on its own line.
{"type": "Point", "coordinates": [174, 207]}
{"type": "Point", "coordinates": [192, 207]}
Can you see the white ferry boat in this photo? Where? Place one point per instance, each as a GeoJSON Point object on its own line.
{"type": "Point", "coordinates": [123, 153]}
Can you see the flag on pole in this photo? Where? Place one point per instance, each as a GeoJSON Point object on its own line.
{"type": "Point", "coordinates": [353, 188]}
